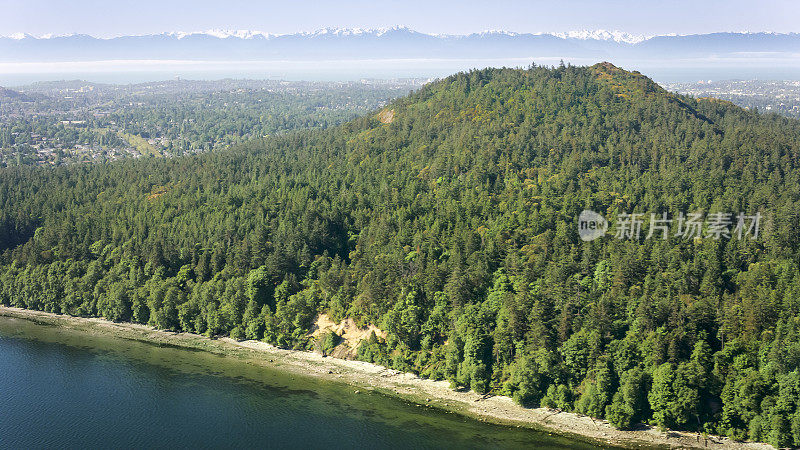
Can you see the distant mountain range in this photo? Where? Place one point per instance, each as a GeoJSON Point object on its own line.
{"type": "Point", "coordinates": [392, 43]}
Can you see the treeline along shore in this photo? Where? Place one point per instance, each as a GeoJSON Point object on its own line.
{"type": "Point", "coordinates": [362, 375]}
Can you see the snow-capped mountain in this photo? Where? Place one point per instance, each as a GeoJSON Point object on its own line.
{"type": "Point", "coordinates": [603, 35]}
{"type": "Point", "coordinates": [222, 34]}
{"type": "Point", "coordinates": [388, 43]}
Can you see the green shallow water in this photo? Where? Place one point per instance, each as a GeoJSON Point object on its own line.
{"type": "Point", "coordinates": [68, 389]}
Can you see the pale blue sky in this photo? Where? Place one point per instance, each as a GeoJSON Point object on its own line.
{"type": "Point", "coordinates": [106, 18]}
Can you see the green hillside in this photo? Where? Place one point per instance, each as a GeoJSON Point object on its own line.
{"type": "Point", "coordinates": [450, 221]}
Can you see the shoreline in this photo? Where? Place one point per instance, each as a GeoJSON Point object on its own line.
{"type": "Point", "coordinates": [362, 375]}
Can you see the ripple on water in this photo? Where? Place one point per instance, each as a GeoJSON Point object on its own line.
{"type": "Point", "coordinates": [61, 388]}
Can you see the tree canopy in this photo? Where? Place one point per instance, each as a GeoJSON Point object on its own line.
{"type": "Point", "coordinates": [449, 220]}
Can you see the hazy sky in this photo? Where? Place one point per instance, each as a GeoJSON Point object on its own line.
{"type": "Point", "coordinates": [111, 18]}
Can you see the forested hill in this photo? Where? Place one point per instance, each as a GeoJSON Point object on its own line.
{"type": "Point", "coordinates": [450, 220]}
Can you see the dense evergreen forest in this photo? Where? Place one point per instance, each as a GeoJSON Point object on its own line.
{"type": "Point", "coordinates": [449, 220]}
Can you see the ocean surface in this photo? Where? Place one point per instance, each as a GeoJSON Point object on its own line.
{"type": "Point", "coordinates": [69, 389]}
{"type": "Point", "coordinates": [137, 71]}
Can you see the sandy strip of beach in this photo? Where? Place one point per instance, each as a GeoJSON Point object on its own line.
{"type": "Point", "coordinates": [365, 376]}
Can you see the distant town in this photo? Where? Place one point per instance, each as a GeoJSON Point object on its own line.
{"type": "Point", "coordinates": [782, 97]}
{"type": "Point", "coordinates": [63, 122]}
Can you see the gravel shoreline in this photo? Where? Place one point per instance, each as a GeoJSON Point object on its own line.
{"type": "Point", "coordinates": [366, 376]}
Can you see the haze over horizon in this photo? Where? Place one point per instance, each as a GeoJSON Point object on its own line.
{"type": "Point", "coordinates": [149, 40]}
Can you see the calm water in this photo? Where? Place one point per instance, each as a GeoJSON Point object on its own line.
{"type": "Point", "coordinates": [662, 70]}
{"type": "Point", "coordinates": [62, 388]}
